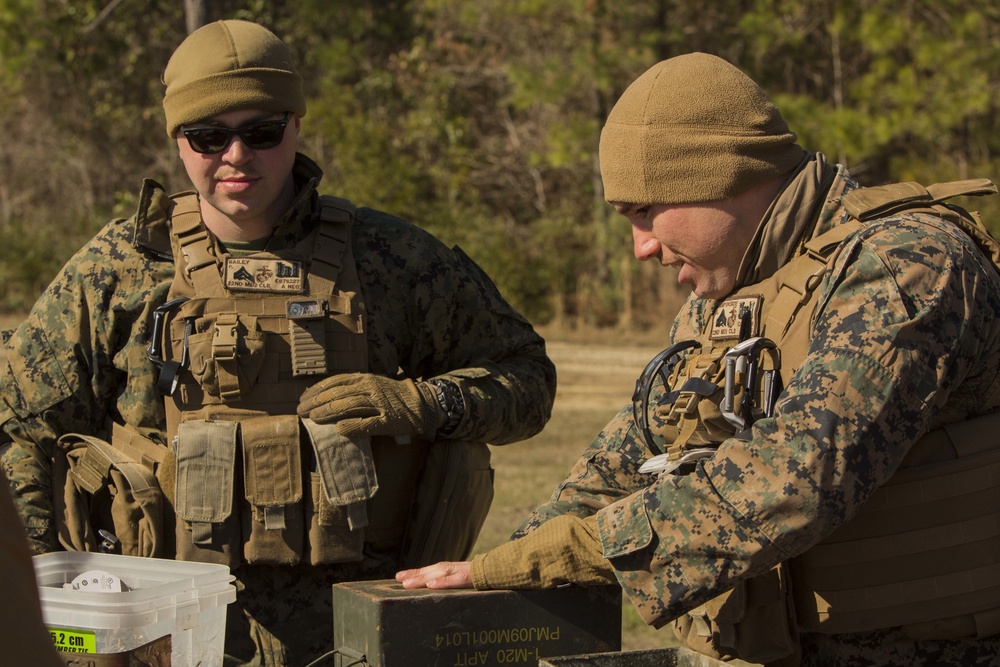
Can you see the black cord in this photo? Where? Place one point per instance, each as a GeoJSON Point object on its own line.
{"type": "Point", "coordinates": [317, 661]}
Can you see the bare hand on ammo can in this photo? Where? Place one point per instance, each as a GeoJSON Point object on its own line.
{"type": "Point", "coordinates": [365, 404]}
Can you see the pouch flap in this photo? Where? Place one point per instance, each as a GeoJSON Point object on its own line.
{"type": "Point", "coordinates": [346, 466]}
{"type": "Point", "coordinates": [624, 527]}
{"type": "Point", "coordinates": [729, 607]}
{"type": "Point", "coordinates": [205, 452]}
{"type": "Point", "coordinates": [272, 460]}
{"type": "Point", "coordinates": [92, 469]}
{"type": "Point", "coordinates": [973, 187]}
{"type": "Point", "coordinates": [873, 202]}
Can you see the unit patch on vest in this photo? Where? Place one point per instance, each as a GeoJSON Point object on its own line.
{"type": "Point", "coordinates": [249, 274]}
{"type": "Point", "coordinates": [728, 319]}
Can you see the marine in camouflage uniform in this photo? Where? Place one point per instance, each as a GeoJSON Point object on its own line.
{"type": "Point", "coordinates": [80, 361]}
{"type": "Point", "coordinates": [904, 339]}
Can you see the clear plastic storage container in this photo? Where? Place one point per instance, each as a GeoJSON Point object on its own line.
{"type": "Point", "coordinates": [186, 601]}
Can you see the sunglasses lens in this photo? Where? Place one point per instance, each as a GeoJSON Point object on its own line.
{"type": "Point", "coordinates": [208, 139]}
{"type": "Point", "coordinates": [257, 136]}
{"type": "Point", "coordinates": [261, 136]}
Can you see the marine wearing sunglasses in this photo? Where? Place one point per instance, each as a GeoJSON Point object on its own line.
{"type": "Point", "coordinates": [258, 135]}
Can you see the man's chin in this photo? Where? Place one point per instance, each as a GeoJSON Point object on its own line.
{"type": "Point", "coordinates": [705, 291]}
{"type": "Point", "coordinates": [234, 209]}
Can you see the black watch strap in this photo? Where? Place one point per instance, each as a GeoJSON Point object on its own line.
{"type": "Point", "coordinates": [452, 403]}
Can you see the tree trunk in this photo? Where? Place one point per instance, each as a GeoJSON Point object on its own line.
{"type": "Point", "coordinates": [195, 14]}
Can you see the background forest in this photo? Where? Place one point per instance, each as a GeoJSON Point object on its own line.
{"type": "Point", "coordinates": [479, 119]}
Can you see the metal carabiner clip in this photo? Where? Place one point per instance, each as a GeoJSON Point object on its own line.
{"type": "Point", "coordinates": [744, 358]}
{"type": "Point", "coordinates": [155, 350]}
{"type": "Point", "coordinates": [662, 364]}
{"type": "Point", "coordinates": [169, 370]}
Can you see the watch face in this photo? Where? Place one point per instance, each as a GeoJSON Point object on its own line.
{"type": "Point", "coordinates": [450, 398]}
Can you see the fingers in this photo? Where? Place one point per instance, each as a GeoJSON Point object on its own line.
{"type": "Point", "coordinates": [332, 381]}
{"type": "Point", "coordinates": [439, 576]}
{"type": "Point", "coordinates": [329, 406]}
{"type": "Point", "coordinates": [338, 397]}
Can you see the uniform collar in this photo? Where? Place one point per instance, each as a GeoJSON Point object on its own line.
{"type": "Point", "coordinates": [303, 212]}
{"type": "Point", "coordinates": [152, 219]}
{"type": "Point", "coordinates": [794, 217]}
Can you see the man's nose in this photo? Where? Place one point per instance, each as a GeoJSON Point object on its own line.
{"type": "Point", "coordinates": [644, 244]}
{"type": "Point", "coordinates": [237, 151]}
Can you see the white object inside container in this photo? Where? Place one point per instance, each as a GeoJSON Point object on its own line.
{"type": "Point", "coordinates": [162, 597]}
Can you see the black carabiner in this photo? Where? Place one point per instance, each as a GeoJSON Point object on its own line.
{"type": "Point", "coordinates": [662, 364]}
{"type": "Point", "coordinates": [170, 370]}
{"type": "Point", "coordinates": [155, 351]}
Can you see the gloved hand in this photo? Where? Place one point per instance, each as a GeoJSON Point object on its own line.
{"type": "Point", "coordinates": [365, 404]}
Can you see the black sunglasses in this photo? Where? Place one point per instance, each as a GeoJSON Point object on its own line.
{"type": "Point", "coordinates": [259, 135]}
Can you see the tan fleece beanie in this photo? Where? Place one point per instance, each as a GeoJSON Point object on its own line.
{"type": "Point", "coordinates": [230, 66]}
{"type": "Point", "coordinates": [693, 129]}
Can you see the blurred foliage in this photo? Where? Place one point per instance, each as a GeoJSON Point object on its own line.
{"type": "Point", "coordinates": [480, 120]}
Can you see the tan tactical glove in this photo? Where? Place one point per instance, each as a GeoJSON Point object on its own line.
{"type": "Point", "coordinates": [362, 404]}
{"type": "Point", "coordinates": [564, 549]}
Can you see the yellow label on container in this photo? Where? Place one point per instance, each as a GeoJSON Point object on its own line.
{"type": "Point", "coordinates": [73, 641]}
{"type": "Point", "coordinates": [70, 641]}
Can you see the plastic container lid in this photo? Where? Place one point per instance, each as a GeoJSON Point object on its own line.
{"type": "Point", "coordinates": [159, 589]}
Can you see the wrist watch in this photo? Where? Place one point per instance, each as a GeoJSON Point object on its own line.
{"type": "Point", "coordinates": [452, 403]}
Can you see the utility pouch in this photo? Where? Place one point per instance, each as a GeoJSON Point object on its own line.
{"type": "Point", "coordinates": [272, 474]}
{"type": "Point", "coordinates": [107, 495]}
{"type": "Point", "coordinates": [452, 501]}
{"type": "Point", "coordinates": [688, 416]}
{"type": "Point", "coordinates": [225, 352]}
{"type": "Point", "coordinates": [347, 481]}
{"type": "Point", "coordinates": [753, 622]}
{"type": "Point", "coordinates": [208, 531]}
{"type": "Point", "coordinates": [331, 539]}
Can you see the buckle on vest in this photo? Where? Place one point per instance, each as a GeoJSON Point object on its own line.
{"type": "Point", "coordinates": [225, 338]}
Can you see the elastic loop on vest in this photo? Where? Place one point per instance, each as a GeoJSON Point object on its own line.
{"type": "Point", "coordinates": [308, 347]}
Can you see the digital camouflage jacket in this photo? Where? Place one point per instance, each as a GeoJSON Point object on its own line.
{"type": "Point", "coordinates": [79, 360]}
{"type": "Point", "coordinates": [905, 338]}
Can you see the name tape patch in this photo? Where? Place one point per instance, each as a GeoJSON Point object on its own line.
{"type": "Point", "coordinates": [248, 274]}
{"type": "Point", "coordinates": [730, 314]}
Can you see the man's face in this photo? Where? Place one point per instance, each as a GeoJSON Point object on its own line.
{"type": "Point", "coordinates": [243, 191]}
{"type": "Point", "coordinates": [705, 242]}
